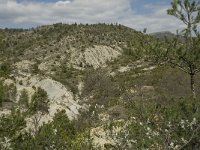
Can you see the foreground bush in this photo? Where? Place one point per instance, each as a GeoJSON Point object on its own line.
{"type": "Point", "coordinates": [152, 126]}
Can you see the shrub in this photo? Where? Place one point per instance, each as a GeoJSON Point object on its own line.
{"type": "Point", "coordinates": [39, 101]}
{"type": "Point", "coordinates": [24, 99]}
{"type": "Point", "coordinates": [152, 126]}
{"type": "Point", "coordinates": [5, 69]}
{"type": "Point", "coordinates": [99, 86]}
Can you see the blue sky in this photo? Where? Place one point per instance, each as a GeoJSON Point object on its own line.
{"type": "Point", "coordinates": [139, 5]}
{"type": "Point", "coordinates": [138, 14]}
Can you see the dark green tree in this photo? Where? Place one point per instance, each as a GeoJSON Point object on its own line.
{"type": "Point", "coordinates": [11, 124]}
{"type": "Point", "coordinates": [56, 135]}
{"type": "Point", "coordinates": [183, 50]}
{"type": "Point", "coordinates": [186, 54]}
{"type": "Point", "coordinates": [39, 101]}
{"type": "Point", "coordinates": [5, 69]}
{"type": "Point", "coordinates": [1, 42]}
{"type": "Point", "coordinates": [23, 100]}
{"type": "Point", "coordinates": [1, 93]}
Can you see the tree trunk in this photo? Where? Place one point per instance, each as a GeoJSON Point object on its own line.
{"type": "Point", "coordinates": [192, 85]}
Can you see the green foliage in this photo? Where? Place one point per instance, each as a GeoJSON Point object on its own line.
{"type": "Point", "coordinates": [187, 53]}
{"type": "Point", "coordinates": [139, 46]}
{"type": "Point", "coordinates": [11, 124]}
{"type": "Point", "coordinates": [153, 126]}
{"type": "Point", "coordinates": [60, 134]}
{"type": "Point", "coordinates": [39, 101]}
{"type": "Point", "coordinates": [10, 92]}
{"type": "Point", "coordinates": [24, 99]}
{"type": "Point", "coordinates": [68, 76]}
{"type": "Point", "coordinates": [1, 93]}
{"type": "Point", "coordinates": [7, 93]}
{"type": "Point", "coordinates": [99, 85]}
{"type": "Point", "coordinates": [79, 37]}
{"type": "Point", "coordinates": [35, 69]}
{"type": "Point", "coordinates": [181, 51]}
{"type": "Point", "coordinates": [155, 120]}
{"type": "Point", "coordinates": [60, 122]}
{"type": "Point", "coordinates": [5, 69]}
{"type": "Point", "coordinates": [1, 41]}
{"type": "Point", "coordinates": [1, 44]}
{"type": "Point", "coordinates": [180, 8]}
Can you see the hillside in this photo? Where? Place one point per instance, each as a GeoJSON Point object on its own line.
{"type": "Point", "coordinates": [163, 34]}
{"type": "Point", "coordinates": [85, 87]}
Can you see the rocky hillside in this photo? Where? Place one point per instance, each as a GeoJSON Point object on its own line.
{"type": "Point", "coordinates": [90, 87]}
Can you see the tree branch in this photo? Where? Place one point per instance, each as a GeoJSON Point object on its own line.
{"type": "Point", "coordinates": [197, 70]}
{"type": "Point", "coordinates": [193, 134]}
{"type": "Point", "coordinates": [179, 67]}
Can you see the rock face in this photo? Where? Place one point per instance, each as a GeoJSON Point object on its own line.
{"type": "Point", "coordinates": [60, 98]}
{"type": "Point", "coordinates": [96, 56]}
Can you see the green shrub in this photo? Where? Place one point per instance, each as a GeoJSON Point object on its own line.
{"type": "Point", "coordinates": [99, 85]}
{"type": "Point", "coordinates": [11, 124]}
{"type": "Point", "coordinates": [153, 126]}
{"type": "Point", "coordinates": [1, 93]}
{"type": "Point", "coordinates": [24, 99]}
{"type": "Point", "coordinates": [39, 101]}
{"type": "Point", "coordinates": [7, 93]}
{"type": "Point", "coordinates": [60, 134]}
{"type": "Point", "coordinates": [5, 69]}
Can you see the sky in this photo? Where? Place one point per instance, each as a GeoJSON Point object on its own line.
{"type": "Point", "coordinates": [137, 14]}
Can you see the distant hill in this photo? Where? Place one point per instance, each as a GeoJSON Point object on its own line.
{"type": "Point", "coordinates": [163, 34]}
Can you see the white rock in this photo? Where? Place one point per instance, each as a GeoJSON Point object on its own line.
{"type": "Point", "coordinates": [60, 98]}
{"type": "Point", "coordinates": [124, 69]}
{"type": "Point", "coordinates": [149, 68]}
{"type": "Point", "coordinates": [96, 57]}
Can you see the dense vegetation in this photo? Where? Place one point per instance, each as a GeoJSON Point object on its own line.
{"type": "Point", "coordinates": [19, 43]}
{"type": "Point", "coordinates": [147, 105]}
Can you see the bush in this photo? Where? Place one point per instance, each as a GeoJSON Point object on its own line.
{"type": "Point", "coordinates": [1, 93]}
{"type": "Point", "coordinates": [152, 126]}
{"type": "Point", "coordinates": [5, 69]}
{"type": "Point", "coordinates": [39, 101]}
{"type": "Point", "coordinates": [60, 134]}
{"type": "Point", "coordinates": [11, 124]}
{"type": "Point", "coordinates": [100, 87]}
{"type": "Point", "coordinates": [7, 93]}
{"type": "Point", "coordinates": [24, 99]}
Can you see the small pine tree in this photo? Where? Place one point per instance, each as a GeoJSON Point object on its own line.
{"type": "Point", "coordinates": [39, 101]}
{"type": "Point", "coordinates": [23, 100]}
{"type": "Point", "coordinates": [5, 69]}
{"type": "Point", "coordinates": [186, 56]}
{"type": "Point", "coordinates": [1, 93]}
{"type": "Point", "coordinates": [182, 51]}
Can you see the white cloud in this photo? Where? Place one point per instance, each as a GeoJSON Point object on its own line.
{"type": "Point", "coordinates": [29, 13]}
{"type": "Point", "coordinates": [60, 3]}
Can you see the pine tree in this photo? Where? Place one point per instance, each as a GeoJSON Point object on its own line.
{"type": "Point", "coordinates": [182, 51]}
{"type": "Point", "coordinates": [39, 101]}
{"type": "Point", "coordinates": [186, 55]}
{"type": "Point", "coordinates": [23, 100]}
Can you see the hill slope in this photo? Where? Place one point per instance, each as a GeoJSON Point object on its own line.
{"type": "Point", "coordinates": [89, 87]}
